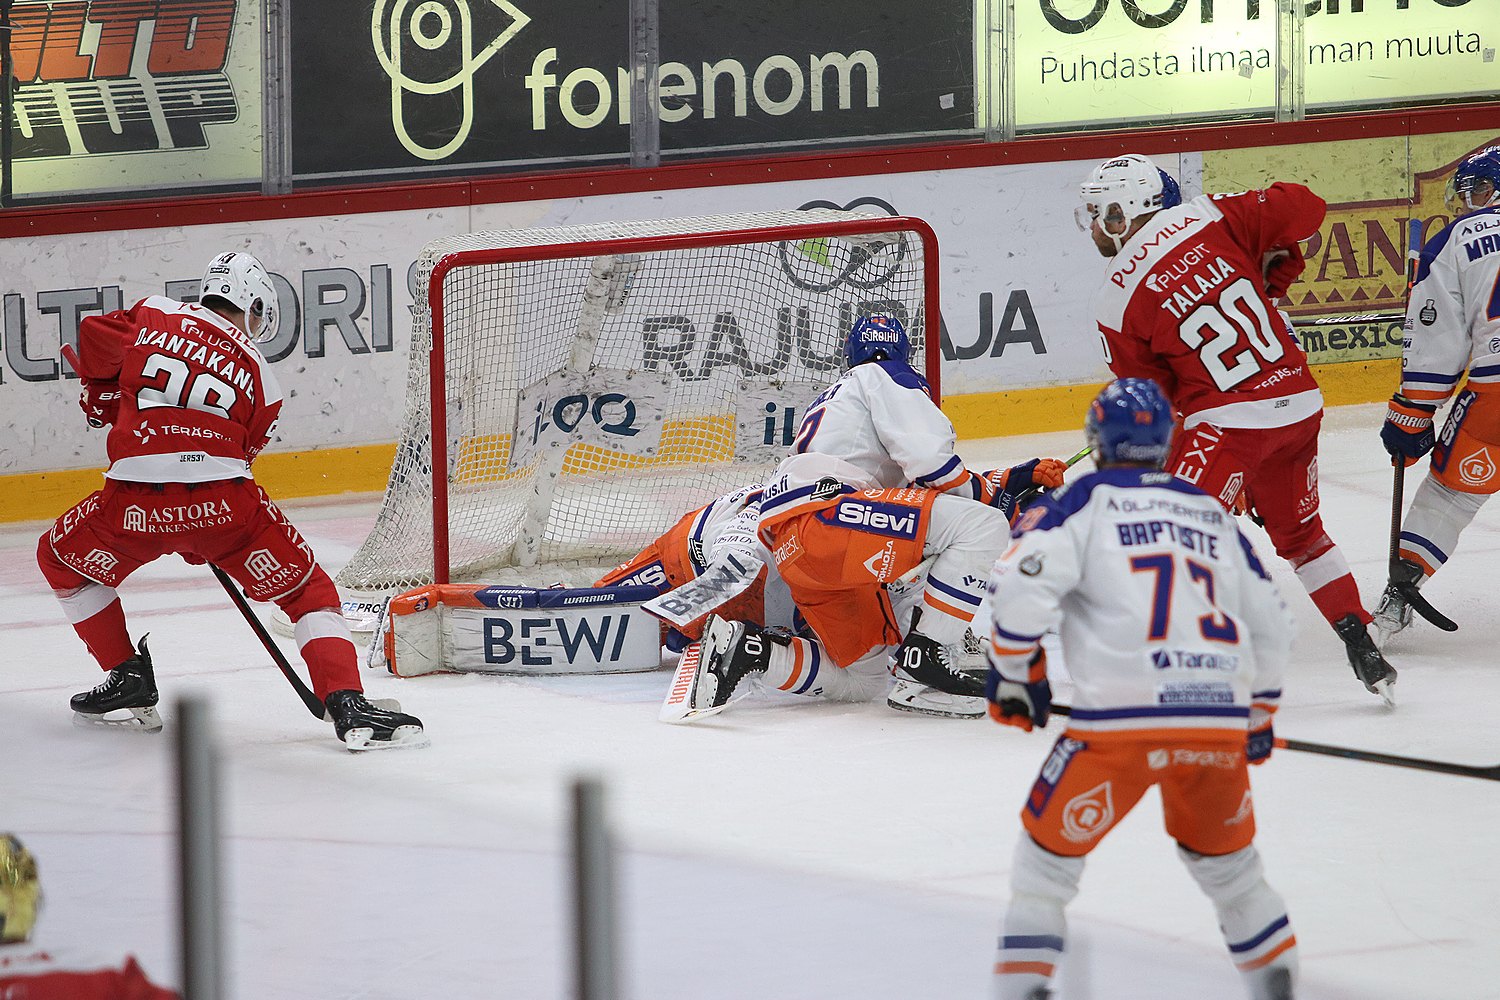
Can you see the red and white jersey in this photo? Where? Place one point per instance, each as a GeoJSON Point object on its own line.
{"type": "Point", "coordinates": [1184, 304]}
{"type": "Point", "coordinates": [1453, 317]}
{"type": "Point", "coordinates": [875, 428]}
{"type": "Point", "coordinates": [197, 400]}
{"type": "Point", "coordinates": [31, 973]}
{"type": "Point", "coordinates": [1168, 620]}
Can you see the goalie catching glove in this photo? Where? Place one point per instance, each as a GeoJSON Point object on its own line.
{"type": "Point", "coordinates": [1023, 704]}
{"type": "Point", "coordinates": [1407, 433]}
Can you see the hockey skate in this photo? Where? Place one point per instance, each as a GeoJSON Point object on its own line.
{"type": "Point", "coordinates": [1378, 676]}
{"type": "Point", "coordinates": [126, 698]}
{"type": "Point", "coordinates": [364, 725]}
{"type": "Point", "coordinates": [927, 661]}
{"type": "Point", "coordinates": [1394, 612]}
{"type": "Point", "coordinates": [731, 652]}
{"type": "Point", "coordinates": [1278, 984]}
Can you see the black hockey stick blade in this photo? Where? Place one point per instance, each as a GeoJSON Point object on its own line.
{"type": "Point", "coordinates": [1421, 606]}
{"type": "Point", "coordinates": [309, 699]}
{"type": "Point", "coordinates": [1394, 760]}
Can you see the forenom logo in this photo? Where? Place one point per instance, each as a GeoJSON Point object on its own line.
{"type": "Point", "coordinates": [402, 31]}
{"type": "Point", "coordinates": [121, 77]}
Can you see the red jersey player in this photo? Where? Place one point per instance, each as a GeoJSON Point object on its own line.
{"type": "Point", "coordinates": [1188, 303]}
{"type": "Point", "coordinates": [192, 403]}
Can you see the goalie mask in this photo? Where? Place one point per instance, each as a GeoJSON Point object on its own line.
{"type": "Point", "coordinates": [1476, 182]}
{"type": "Point", "coordinates": [1121, 190]}
{"type": "Point", "coordinates": [20, 891]}
{"type": "Point", "coordinates": [240, 280]}
{"type": "Point", "coordinates": [879, 337]}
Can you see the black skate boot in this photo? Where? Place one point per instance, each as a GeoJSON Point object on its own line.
{"type": "Point", "coordinates": [926, 661]}
{"type": "Point", "coordinates": [363, 725]}
{"type": "Point", "coordinates": [731, 652]}
{"type": "Point", "coordinates": [1394, 611]}
{"type": "Point", "coordinates": [1378, 676]}
{"type": "Point", "coordinates": [128, 693]}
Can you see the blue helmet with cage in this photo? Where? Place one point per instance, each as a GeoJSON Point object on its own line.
{"type": "Point", "coordinates": [1130, 421]}
{"type": "Point", "coordinates": [1474, 171]}
{"type": "Point", "coordinates": [875, 338]}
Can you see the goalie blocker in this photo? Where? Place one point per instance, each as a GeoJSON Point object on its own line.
{"type": "Point", "coordinates": [458, 628]}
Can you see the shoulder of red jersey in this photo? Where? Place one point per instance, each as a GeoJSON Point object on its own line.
{"type": "Point", "coordinates": [1170, 231]}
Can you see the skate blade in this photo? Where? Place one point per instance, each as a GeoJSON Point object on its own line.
{"type": "Point", "coordinates": [1386, 688]}
{"type": "Point", "coordinates": [361, 739]}
{"type": "Point", "coordinates": [143, 720]}
{"type": "Point", "coordinates": [908, 696]}
{"type": "Point", "coordinates": [686, 701]}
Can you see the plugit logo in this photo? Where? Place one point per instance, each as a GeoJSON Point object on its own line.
{"type": "Point", "coordinates": [418, 41]}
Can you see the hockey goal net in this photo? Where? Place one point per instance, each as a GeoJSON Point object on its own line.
{"type": "Point", "coordinates": [572, 392]}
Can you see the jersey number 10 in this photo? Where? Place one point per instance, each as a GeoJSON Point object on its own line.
{"type": "Point", "coordinates": [1214, 329]}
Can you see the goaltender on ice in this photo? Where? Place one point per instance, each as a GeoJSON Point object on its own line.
{"type": "Point", "coordinates": [871, 494]}
{"type": "Point", "coordinates": [1175, 639]}
{"type": "Point", "coordinates": [190, 403]}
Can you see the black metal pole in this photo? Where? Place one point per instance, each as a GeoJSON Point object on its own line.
{"type": "Point", "coordinates": [594, 931]}
{"type": "Point", "coordinates": [202, 909]}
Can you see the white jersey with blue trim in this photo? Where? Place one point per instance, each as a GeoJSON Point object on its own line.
{"type": "Point", "coordinates": [1168, 620]}
{"type": "Point", "coordinates": [875, 428]}
{"type": "Point", "coordinates": [1453, 316]}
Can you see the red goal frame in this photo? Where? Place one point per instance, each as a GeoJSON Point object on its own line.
{"type": "Point", "coordinates": [437, 355]}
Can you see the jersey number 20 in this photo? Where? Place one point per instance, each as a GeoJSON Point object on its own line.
{"type": "Point", "coordinates": [1215, 330]}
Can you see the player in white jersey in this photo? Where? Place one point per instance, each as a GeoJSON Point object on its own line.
{"type": "Point", "coordinates": [1452, 326]}
{"type": "Point", "coordinates": [1175, 638]}
{"type": "Point", "coordinates": [872, 493]}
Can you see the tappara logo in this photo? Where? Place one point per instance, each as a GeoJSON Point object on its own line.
{"type": "Point", "coordinates": [432, 48]}
{"type": "Point", "coordinates": [121, 77]}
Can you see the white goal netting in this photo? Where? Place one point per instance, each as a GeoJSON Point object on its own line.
{"type": "Point", "coordinates": [598, 382]}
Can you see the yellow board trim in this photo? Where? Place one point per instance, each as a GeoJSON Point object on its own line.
{"type": "Point", "coordinates": [36, 496]}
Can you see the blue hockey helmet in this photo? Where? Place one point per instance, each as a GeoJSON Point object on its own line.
{"type": "Point", "coordinates": [878, 337]}
{"type": "Point", "coordinates": [1474, 172]}
{"type": "Point", "coordinates": [1130, 421]}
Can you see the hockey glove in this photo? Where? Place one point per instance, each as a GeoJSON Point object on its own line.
{"type": "Point", "coordinates": [1261, 739]}
{"type": "Point", "coordinates": [100, 402]}
{"type": "Point", "coordinates": [1025, 706]}
{"type": "Point", "coordinates": [1018, 484]}
{"type": "Point", "coordinates": [1407, 433]}
{"type": "Point", "coordinates": [1283, 269]}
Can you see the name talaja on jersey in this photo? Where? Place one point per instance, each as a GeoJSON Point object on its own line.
{"type": "Point", "coordinates": [1195, 286]}
{"type": "Point", "coordinates": [219, 364]}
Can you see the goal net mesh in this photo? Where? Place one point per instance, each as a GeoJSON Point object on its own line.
{"type": "Point", "coordinates": [597, 386]}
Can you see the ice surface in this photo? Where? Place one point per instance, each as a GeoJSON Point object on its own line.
{"type": "Point", "coordinates": [809, 851]}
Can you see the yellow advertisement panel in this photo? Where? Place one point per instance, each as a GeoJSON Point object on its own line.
{"type": "Point", "coordinates": [135, 96]}
{"type": "Point", "coordinates": [1385, 51]}
{"type": "Point", "coordinates": [1143, 61]}
{"type": "Point", "coordinates": [1356, 260]}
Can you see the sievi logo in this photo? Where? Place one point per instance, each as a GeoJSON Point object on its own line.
{"type": "Point", "coordinates": [118, 76]}
{"type": "Point", "coordinates": [652, 575]}
{"type": "Point", "coordinates": [879, 518]}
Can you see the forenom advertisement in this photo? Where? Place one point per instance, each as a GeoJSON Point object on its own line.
{"type": "Point", "coordinates": [391, 84]}
{"type": "Point", "coordinates": [1082, 61]}
{"type": "Point", "coordinates": [134, 96]}
{"type": "Point", "coordinates": [1018, 280]}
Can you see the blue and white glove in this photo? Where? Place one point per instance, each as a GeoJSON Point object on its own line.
{"type": "Point", "coordinates": [1023, 705]}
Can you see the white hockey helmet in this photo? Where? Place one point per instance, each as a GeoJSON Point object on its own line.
{"type": "Point", "coordinates": [239, 279]}
{"type": "Point", "coordinates": [1120, 190]}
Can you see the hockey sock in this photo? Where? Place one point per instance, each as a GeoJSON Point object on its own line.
{"type": "Point", "coordinates": [1438, 515]}
{"type": "Point", "coordinates": [795, 667]}
{"type": "Point", "coordinates": [1325, 574]}
{"type": "Point", "coordinates": [1252, 915]}
{"type": "Point", "coordinates": [327, 647]}
{"type": "Point", "coordinates": [1042, 884]}
{"type": "Point", "coordinates": [99, 620]}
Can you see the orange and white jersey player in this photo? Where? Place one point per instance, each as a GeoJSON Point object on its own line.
{"type": "Point", "coordinates": [1175, 638]}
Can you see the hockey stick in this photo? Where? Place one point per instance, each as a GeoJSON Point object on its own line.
{"type": "Point", "coordinates": [1408, 589]}
{"type": "Point", "coordinates": [309, 699]}
{"type": "Point", "coordinates": [1370, 756]}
